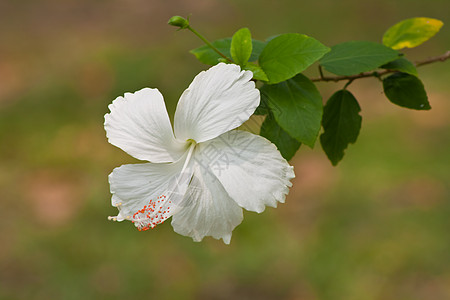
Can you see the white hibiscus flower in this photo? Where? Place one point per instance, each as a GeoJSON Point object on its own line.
{"type": "Point", "coordinates": [204, 174]}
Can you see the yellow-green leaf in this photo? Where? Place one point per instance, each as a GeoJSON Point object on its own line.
{"type": "Point", "coordinates": [241, 46]}
{"type": "Point", "coordinates": [289, 54]}
{"type": "Point", "coordinates": [258, 73]}
{"type": "Point", "coordinates": [411, 32]}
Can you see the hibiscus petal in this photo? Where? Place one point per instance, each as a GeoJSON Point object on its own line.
{"type": "Point", "coordinates": [250, 168]}
{"type": "Point", "coordinates": [207, 209]}
{"type": "Point", "coordinates": [218, 100]}
{"type": "Point", "coordinates": [139, 125]}
{"type": "Point", "coordinates": [143, 193]}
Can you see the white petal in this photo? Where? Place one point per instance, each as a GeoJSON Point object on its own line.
{"type": "Point", "coordinates": [145, 189]}
{"type": "Point", "coordinates": [250, 168]}
{"type": "Point", "coordinates": [208, 209]}
{"type": "Point", "coordinates": [218, 100]}
{"type": "Point", "coordinates": [139, 125]}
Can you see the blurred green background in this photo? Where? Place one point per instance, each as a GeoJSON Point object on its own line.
{"type": "Point", "coordinates": [375, 227]}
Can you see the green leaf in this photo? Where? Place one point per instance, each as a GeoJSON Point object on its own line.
{"type": "Point", "coordinates": [297, 107]}
{"type": "Point", "coordinates": [401, 64]}
{"type": "Point", "coordinates": [411, 32]}
{"type": "Point", "coordinates": [406, 90]}
{"type": "Point", "coordinates": [263, 107]}
{"type": "Point", "coordinates": [209, 57]}
{"type": "Point", "coordinates": [342, 123]}
{"type": "Point", "coordinates": [289, 54]}
{"type": "Point", "coordinates": [354, 57]}
{"type": "Point", "coordinates": [258, 47]}
{"type": "Point", "coordinates": [241, 46]}
{"type": "Point", "coordinates": [258, 73]}
{"type": "Point", "coordinates": [286, 144]}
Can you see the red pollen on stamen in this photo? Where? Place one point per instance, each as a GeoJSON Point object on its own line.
{"type": "Point", "coordinates": [148, 217]}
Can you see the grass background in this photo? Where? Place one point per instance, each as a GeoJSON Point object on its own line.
{"type": "Point", "coordinates": [375, 227]}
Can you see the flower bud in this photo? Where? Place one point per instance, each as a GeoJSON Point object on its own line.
{"type": "Point", "coordinates": [179, 22]}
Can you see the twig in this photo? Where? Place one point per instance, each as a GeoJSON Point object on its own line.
{"type": "Point", "coordinates": [430, 60]}
{"type": "Point", "coordinates": [443, 57]}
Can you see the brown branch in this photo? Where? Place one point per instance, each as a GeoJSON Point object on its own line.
{"type": "Point", "coordinates": [430, 60]}
{"type": "Point", "coordinates": [443, 57]}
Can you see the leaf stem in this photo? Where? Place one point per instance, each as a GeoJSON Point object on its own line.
{"type": "Point", "coordinates": [348, 83]}
{"type": "Point", "coordinates": [430, 60]}
{"type": "Point", "coordinates": [320, 71]}
{"type": "Point", "coordinates": [208, 43]}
